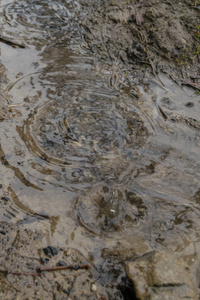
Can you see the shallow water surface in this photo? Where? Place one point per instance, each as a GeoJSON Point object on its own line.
{"type": "Point", "coordinates": [90, 165]}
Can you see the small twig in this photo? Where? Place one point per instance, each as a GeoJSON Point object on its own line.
{"type": "Point", "coordinates": [19, 273]}
{"type": "Point", "coordinates": [40, 270]}
{"type": "Point", "coordinates": [162, 112]}
{"type": "Point", "coordinates": [195, 77]}
{"type": "Point", "coordinates": [23, 273]}
{"type": "Point", "coordinates": [174, 79]}
{"type": "Point", "coordinates": [13, 105]}
{"type": "Point", "coordinates": [194, 85]}
{"type": "Point", "coordinates": [70, 267]}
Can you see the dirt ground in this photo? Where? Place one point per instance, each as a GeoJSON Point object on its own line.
{"type": "Point", "coordinates": [158, 36]}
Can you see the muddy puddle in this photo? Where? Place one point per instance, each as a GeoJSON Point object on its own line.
{"type": "Point", "coordinates": [108, 172]}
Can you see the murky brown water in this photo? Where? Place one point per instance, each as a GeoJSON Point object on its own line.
{"type": "Point", "coordinates": [90, 165]}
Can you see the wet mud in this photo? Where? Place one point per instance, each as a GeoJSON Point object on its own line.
{"type": "Point", "coordinates": [99, 144]}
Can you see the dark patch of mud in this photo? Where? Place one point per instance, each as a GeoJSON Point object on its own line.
{"type": "Point", "coordinates": [161, 35]}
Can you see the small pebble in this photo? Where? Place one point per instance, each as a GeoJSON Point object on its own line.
{"type": "Point", "coordinates": [3, 232]}
{"type": "Point", "coordinates": [62, 263]}
{"type": "Point", "coordinates": [68, 252]}
{"type": "Point", "coordinates": [189, 104]}
{"type": "Point", "coordinates": [50, 251]}
{"type": "Point", "coordinates": [44, 260]}
{"type": "Point", "coordinates": [94, 287]}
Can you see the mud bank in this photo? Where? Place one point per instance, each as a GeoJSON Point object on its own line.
{"type": "Point", "coordinates": [141, 34]}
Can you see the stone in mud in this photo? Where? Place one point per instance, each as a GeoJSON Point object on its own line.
{"type": "Point", "coordinates": [44, 260]}
{"type": "Point", "coordinates": [159, 275]}
{"type": "Point", "coordinates": [189, 104]}
{"type": "Point", "coordinates": [3, 232]}
{"type": "Point", "coordinates": [94, 287]}
{"type": "Point", "coordinates": [50, 251]}
{"type": "Point", "coordinates": [62, 263]}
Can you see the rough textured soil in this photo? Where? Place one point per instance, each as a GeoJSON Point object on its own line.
{"type": "Point", "coordinates": [23, 253]}
{"type": "Point", "coordinates": [163, 35]}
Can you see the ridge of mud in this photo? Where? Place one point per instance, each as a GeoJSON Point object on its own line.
{"type": "Point", "coordinates": [164, 36]}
